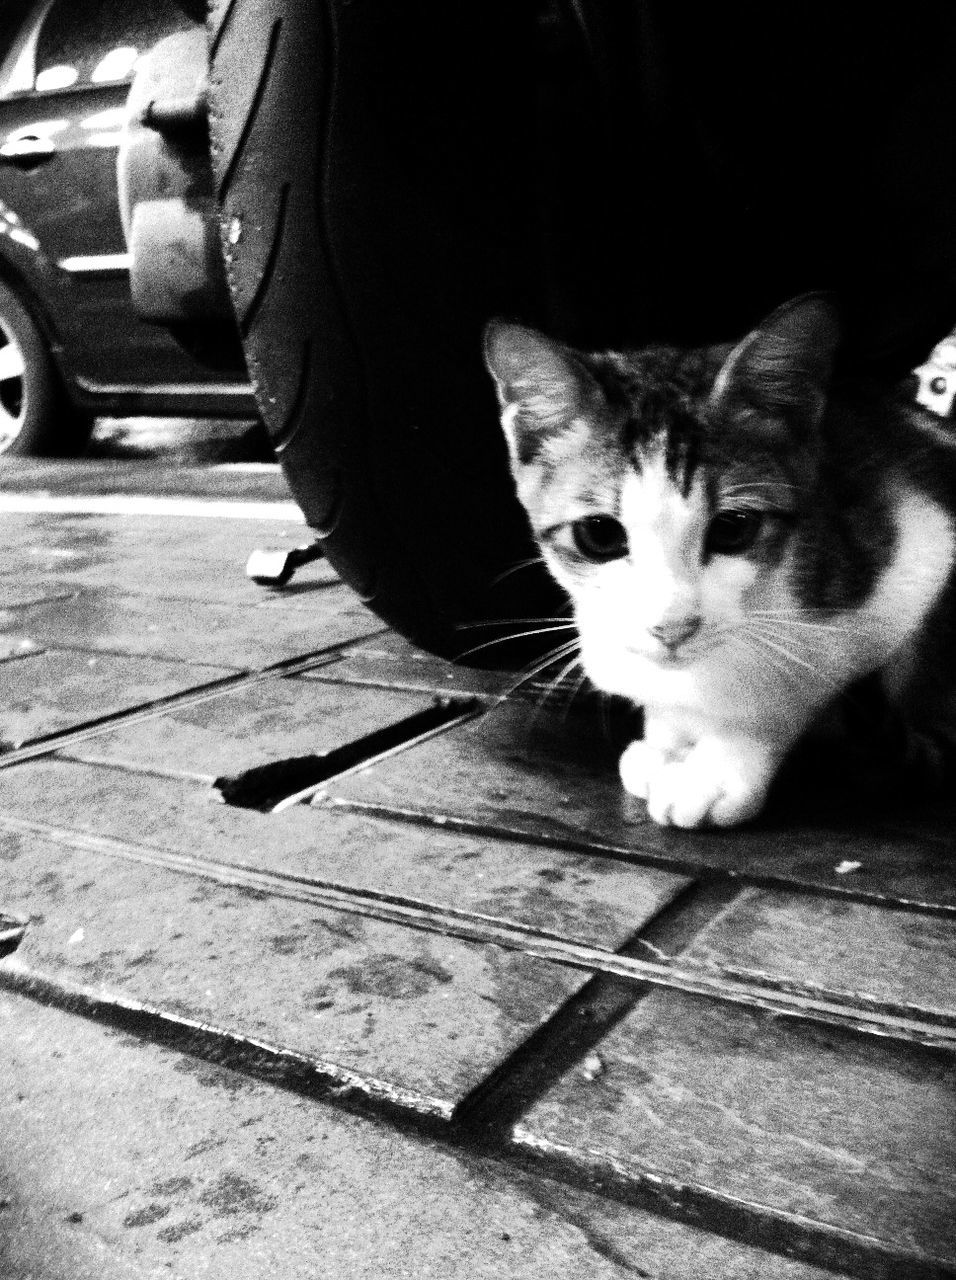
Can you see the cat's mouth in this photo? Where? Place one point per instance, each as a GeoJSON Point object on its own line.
{"type": "Point", "coordinates": [677, 657]}
{"type": "Point", "coordinates": [661, 657]}
{"type": "Point", "coordinates": [674, 659]}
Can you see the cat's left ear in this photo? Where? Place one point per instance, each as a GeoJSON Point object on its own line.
{"type": "Point", "coordinates": [540, 385]}
{"type": "Point", "coordinates": [783, 367]}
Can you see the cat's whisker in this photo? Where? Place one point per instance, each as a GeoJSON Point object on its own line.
{"type": "Point", "coordinates": [796, 615]}
{"type": "Point", "coordinates": [514, 635]}
{"type": "Point", "coordinates": [796, 646]}
{"type": "Point", "coordinates": [558, 680]}
{"type": "Point", "coordinates": [536, 668]}
{"type": "Point", "coordinates": [788, 618]}
{"type": "Point", "coordinates": [516, 568]}
{"type": "Point", "coordinates": [772, 656]}
{"type": "Point", "coordinates": [807, 645]}
{"type": "Point", "coordinates": [553, 687]}
{"type": "Point", "coordinates": [774, 642]}
{"type": "Point", "coordinates": [578, 686]}
{"type": "Point", "coordinates": [509, 622]}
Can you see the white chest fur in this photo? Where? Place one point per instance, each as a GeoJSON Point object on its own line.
{"type": "Point", "coordinates": [911, 585]}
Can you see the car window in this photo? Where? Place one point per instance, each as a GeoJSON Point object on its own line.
{"type": "Point", "coordinates": [13, 14]}
{"type": "Point", "coordinates": [20, 26]}
{"type": "Point", "coordinates": [99, 41]}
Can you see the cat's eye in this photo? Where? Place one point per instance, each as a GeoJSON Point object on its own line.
{"type": "Point", "coordinates": [600, 538]}
{"type": "Point", "coordinates": [731, 533]}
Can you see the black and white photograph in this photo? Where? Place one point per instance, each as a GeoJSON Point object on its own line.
{"type": "Point", "coordinates": [477, 640]}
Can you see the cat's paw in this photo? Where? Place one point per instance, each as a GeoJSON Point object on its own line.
{"type": "Point", "coordinates": [643, 760]}
{"type": "Point", "coordinates": [637, 766]}
{"type": "Point", "coordinates": [712, 785]}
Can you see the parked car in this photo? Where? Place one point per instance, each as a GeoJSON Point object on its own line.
{"type": "Point", "coordinates": [73, 342]}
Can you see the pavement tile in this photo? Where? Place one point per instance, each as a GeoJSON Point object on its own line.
{"type": "Point", "coordinates": [554, 774]}
{"type": "Point", "coordinates": [266, 722]}
{"type": "Point", "coordinates": [49, 691]}
{"type": "Point", "coordinates": [818, 1122]}
{"type": "Point", "coordinates": [14, 646]}
{"type": "Point", "coordinates": [584, 899]}
{"type": "Point", "coordinates": [202, 559]}
{"type": "Point", "coordinates": [425, 1011]}
{"type": "Point", "coordinates": [186, 630]}
{"type": "Point", "coordinates": [158, 474]}
{"type": "Point", "coordinates": [17, 594]}
{"type": "Point", "coordinates": [899, 956]}
{"type": "Point", "coordinates": [393, 662]}
{"type": "Point", "coordinates": [854, 1131]}
{"type": "Point", "coordinates": [417, 1010]}
{"type": "Point", "coordinates": [125, 1161]}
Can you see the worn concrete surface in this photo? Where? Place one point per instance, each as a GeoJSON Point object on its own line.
{"type": "Point", "coordinates": [809, 1121]}
{"type": "Point", "coordinates": [382, 1033]}
{"type": "Point", "coordinates": [553, 776]}
{"type": "Point", "coordinates": [125, 1161]}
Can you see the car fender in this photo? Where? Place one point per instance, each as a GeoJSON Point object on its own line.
{"type": "Point", "coordinates": [43, 288]}
{"type": "Point", "coordinates": [166, 188]}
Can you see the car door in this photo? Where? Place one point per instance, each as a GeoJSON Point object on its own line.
{"type": "Point", "coordinates": [62, 109]}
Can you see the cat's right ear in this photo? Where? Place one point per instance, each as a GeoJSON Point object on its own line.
{"type": "Point", "coordinates": [784, 366]}
{"type": "Point", "coordinates": [540, 385]}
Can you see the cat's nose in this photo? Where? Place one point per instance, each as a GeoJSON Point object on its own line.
{"type": "Point", "coordinates": [677, 632]}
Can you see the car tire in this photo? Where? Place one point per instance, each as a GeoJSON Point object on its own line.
{"type": "Point", "coordinates": [36, 417]}
{"type": "Point", "coordinates": [372, 220]}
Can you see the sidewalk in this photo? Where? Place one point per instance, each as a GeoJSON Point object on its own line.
{"type": "Point", "coordinates": [341, 965]}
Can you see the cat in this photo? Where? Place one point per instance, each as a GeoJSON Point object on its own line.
{"type": "Point", "coordinates": [742, 535]}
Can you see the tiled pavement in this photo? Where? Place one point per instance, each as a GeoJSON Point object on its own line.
{"type": "Point", "coordinates": [319, 981]}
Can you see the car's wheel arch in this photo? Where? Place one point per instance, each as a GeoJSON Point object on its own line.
{"type": "Point", "coordinates": [33, 302]}
{"type": "Point", "coordinates": [63, 425]}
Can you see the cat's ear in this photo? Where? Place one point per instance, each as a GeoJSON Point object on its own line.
{"type": "Point", "coordinates": [540, 385]}
{"type": "Point", "coordinates": [783, 367]}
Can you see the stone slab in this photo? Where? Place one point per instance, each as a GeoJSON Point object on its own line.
{"type": "Point", "coordinates": [157, 475]}
{"type": "Point", "coordinates": [187, 630]}
{"type": "Point", "coordinates": [263, 723]}
{"type": "Point", "coordinates": [14, 595]}
{"type": "Point", "coordinates": [853, 1131]}
{"type": "Point", "coordinates": [191, 558]}
{"type": "Point", "coordinates": [125, 1161]}
{"type": "Point", "coordinates": [891, 955]}
{"type": "Point", "coordinates": [49, 691]}
{"type": "Point", "coordinates": [416, 1010]}
{"type": "Point", "coordinates": [553, 774]}
{"type": "Point", "coordinates": [14, 646]}
{"type": "Point", "coordinates": [598, 903]}
{"type": "Point", "coordinates": [199, 558]}
{"type": "Point", "coordinates": [392, 662]}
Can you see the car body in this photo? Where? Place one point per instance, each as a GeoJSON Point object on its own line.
{"type": "Point", "coordinates": [66, 72]}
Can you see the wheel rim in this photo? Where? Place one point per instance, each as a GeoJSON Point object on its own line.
{"type": "Point", "coordinates": [12, 390]}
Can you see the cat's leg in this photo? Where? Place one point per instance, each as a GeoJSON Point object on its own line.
{"type": "Point", "coordinates": [637, 767]}
{"type": "Point", "coordinates": [715, 781]}
{"type": "Point", "coordinates": [643, 760]}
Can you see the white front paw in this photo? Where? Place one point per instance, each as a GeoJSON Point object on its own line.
{"type": "Point", "coordinates": [638, 765]}
{"type": "Point", "coordinates": [714, 784]}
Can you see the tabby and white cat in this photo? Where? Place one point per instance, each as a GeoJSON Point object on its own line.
{"type": "Point", "coordinates": [741, 540]}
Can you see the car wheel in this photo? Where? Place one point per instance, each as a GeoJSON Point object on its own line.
{"type": "Point", "coordinates": [35, 416]}
{"type": "Point", "coordinates": [373, 218]}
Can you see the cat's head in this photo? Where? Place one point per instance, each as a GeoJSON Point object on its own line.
{"type": "Point", "coordinates": [664, 486]}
